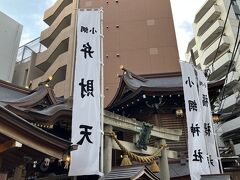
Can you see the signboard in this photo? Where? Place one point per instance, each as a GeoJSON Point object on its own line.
{"type": "Point", "coordinates": [86, 130]}
{"type": "Point", "coordinates": [197, 153]}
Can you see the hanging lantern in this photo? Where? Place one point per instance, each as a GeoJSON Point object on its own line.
{"type": "Point", "coordinates": [34, 164]}
{"type": "Point", "coordinates": [179, 113]}
{"type": "Point", "coordinates": [216, 118]}
{"type": "Point", "coordinates": [67, 162]}
{"type": "Point", "coordinates": [50, 78]}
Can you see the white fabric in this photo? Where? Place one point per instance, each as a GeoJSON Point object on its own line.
{"type": "Point", "coordinates": [86, 109]}
{"type": "Point", "coordinates": [207, 120]}
{"type": "Point", "coordinates": [194, 119]}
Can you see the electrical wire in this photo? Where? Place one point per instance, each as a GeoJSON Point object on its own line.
{"type": "Point", "coordinates": [225, 22]}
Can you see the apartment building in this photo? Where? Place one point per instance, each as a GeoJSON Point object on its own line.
{"type": "Point", "coordinates": [215, 30]}
{"type": "Point", "coordinates": [138, 34]}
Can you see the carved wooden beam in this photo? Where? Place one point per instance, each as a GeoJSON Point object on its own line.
{"type": "Point", "coordinates": [8, 145]}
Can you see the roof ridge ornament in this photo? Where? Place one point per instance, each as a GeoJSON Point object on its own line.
{"type": "Point", "coordinates": [131, 75]}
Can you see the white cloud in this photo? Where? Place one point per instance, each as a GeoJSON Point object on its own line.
{"type": "Point", "coordinates": [183, 15]}
{"type": "Point", "coordinates": [25, 38]}
{"type": "Point", "coordinates": [38, 21]}
{"type": "Point", "coordinates": [49, 3]}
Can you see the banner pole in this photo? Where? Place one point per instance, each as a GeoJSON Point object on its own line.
{"type": "Point", "coordinates": [74, 48]}
{"type": "Point", "coordinates": [218, 152]}
{"type": "Point", "coordinates": [102, 91]}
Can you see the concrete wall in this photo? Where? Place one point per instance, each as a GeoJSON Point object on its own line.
{"type": "Point", "coordinates": [10, 34]}
{"type": "Point", "coordinates": [21, 73]}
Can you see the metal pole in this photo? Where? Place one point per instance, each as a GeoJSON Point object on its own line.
{"type": "Point", "coordinates": [102, 90]}
{"type": "Point", "coordinates": [218, 152]}
{"type": "Point", "coordinates": [74, 55]}
{"type": "Point", "coordinates": [74, 48]}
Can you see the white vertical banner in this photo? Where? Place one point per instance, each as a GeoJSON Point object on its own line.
{"type": "Point", "coordinates": [208, 126]}
{"type": "Point", "coordinates": [86, 130]}
{"type": "Point", "coordinates": [197, 155]}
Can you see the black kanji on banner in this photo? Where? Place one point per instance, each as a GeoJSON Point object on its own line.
{"type": "Point", "coordinates": [87, 30]}
{"type": "Point", "coordinates": [85, 133]}
{"type": "Point", "coordinates": [192, 105]}
{"type": "Point", "coordinates": [205, 100]}
{"type": "Point", "coordinates": [195, 129]}
{"type": "Point", "coordinates": [87, 50]}
{"type": "Point", "coordinates": [197, 156]}
{"type": "Point", "coordinates": [189, 82]}
{"type": "Point", "coordinates": [84, 29]}
{"type": "Point", "coordinates": [86, 89]}
{"type": "Point", "coordinates": [202, 84]}
{"type": "Point", "coordinates": [207, 129]}
{"type": "Point", "coordinates": [210, 160]}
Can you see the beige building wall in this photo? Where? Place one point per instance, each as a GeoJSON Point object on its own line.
{"type": "Point", "coordinates": [138, 34]}
{"type": "Point", "coordinates": [57, 60]}
{"type": "Point", "coordinates": [21, 73]}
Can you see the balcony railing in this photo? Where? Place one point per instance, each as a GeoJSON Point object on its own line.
{"type": "Point", "coordinates": [50, 34]}
{"type": "Point", "coordinates": [229, 103]}
{"type": "Point", "coordinates": [208, 19]}
{"type": "Point", "coordinates": [210, 53]}
{"type": "Point", "coordinates": [237, 148]}
{"type": "Point", "coordinates": [219, 68]}
{"type": "Point", "coordinates": [231, 125]}
{"type": "Point", "coordinates": [204, 10]}
{"type": "Point", "coordinates": [211, 34]}
{"type": "Point", "coordinates": [25, 51]}
{"type": "Point", "coordinates": [231, 85]}
{"type": "Point", "coordinates": [52, 13]}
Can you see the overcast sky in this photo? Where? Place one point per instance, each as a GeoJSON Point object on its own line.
{"type": "Point", "coordinates": [183, 15]}
{"type": "Point", "coordinates": [29, 13]}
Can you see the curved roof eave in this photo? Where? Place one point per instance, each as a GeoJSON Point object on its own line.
{"type": "Point", "coordinates": [156, 84]}
{"type": "Point", "coordinates": [21, 125]}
